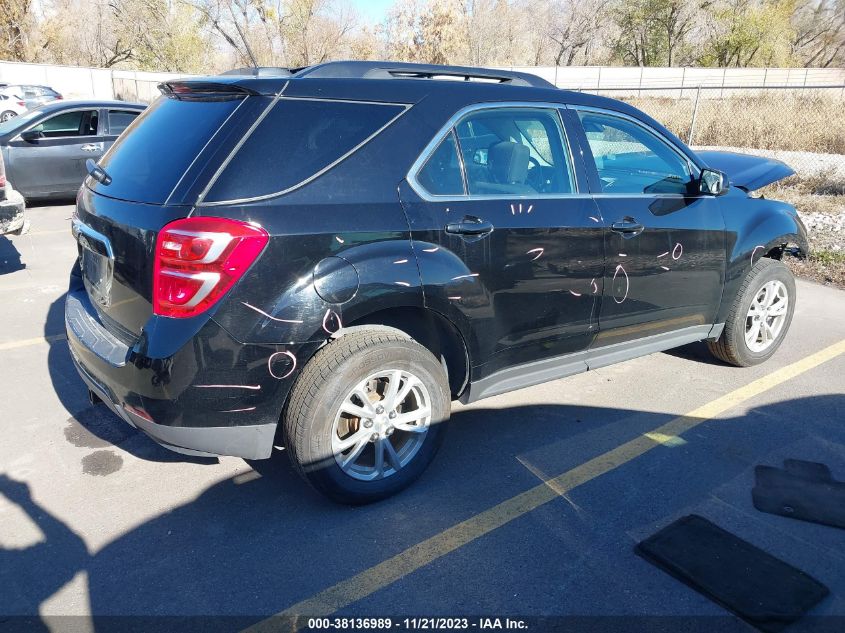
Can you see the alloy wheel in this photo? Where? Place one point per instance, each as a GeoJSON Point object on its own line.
{"type": "Point", "coordinates": [766, 316]}
{"type": "Point", "coordinates": [381, 425]}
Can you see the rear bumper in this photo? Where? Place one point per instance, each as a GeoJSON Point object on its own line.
{"type": "Point", "coordinates": [12, 211]}
{"type": "Point", "coordinates": [206, 399]}
{"type": "Point", "coordinates": [249, 442]}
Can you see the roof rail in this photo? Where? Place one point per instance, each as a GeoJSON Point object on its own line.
{"type": "Point", "coordinates": [404, 70]}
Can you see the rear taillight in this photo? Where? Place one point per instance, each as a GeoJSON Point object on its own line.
{"type": "Point", "coordinates": [21, 103]}
{"type": "Point", "coordinates": [198, 259]}
{"type": "Point", "coordinates": [2, 173]}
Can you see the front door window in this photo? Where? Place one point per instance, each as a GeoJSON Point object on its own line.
{"type": "Point", "coordinates": [631, 160]}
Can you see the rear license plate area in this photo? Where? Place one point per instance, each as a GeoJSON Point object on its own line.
{"type": "Point", "coordinates": [97, 269]}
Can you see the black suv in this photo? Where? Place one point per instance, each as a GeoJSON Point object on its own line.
{"type": "Point", "coordinates": [325, 260]}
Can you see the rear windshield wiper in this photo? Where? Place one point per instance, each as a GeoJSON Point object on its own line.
{"type": "Point", "coordinates": [97, 173]}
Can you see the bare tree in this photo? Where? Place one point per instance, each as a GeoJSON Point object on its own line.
{"type": "Point", "coordinates": [440, 34]}
{"type": "Point", "coordinates": [819, 38]}
{"type": "Point", "coordinates": [573, 26]}
{"type": "Point", "coordinates": [16, 25]}
{"type": "Point", "coordinates": [317, 30]}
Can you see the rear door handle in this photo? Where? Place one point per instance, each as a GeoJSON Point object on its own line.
{"type": "Point", "coordinates": [627, 227]}
{"type": "Point", "coordinates": [470, 226]}
{"type": "Point", "coordinates": [91, 147]}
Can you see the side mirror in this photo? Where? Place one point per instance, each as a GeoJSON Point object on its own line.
{"type": "Point", "coordinates": [713, 183]}
{"type": "Point", "coordinates": [32, 136]}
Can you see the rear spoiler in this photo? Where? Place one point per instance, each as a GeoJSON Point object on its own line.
{"type": "Point", "coordinates": [204, 90]}
{"type": "Point", "coordinates": [261, 71]}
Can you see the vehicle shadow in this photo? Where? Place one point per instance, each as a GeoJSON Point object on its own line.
{"type": "Point", "coordinates": [94, 426]}
{"type": "Point", "coordinates": [696, 351]}
{"type": "Point", "coordinates": [251, 546]}
{"type": "Point", "coordinates": [10, 257]}
{"type": "Point", "coordinates": [50, 202]}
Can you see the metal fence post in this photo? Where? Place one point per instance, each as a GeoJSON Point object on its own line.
{"type": "Point", "coordinates": [694, 115]}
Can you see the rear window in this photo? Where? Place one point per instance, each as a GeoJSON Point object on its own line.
{"type": "Point", "coordinates": [296, 141]}
{"type": "Point", "coordinates": [147, 162]}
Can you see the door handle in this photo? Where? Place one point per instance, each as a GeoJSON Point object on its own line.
{"type": "Point", "coordinates": [628, 227]}
{"type": "Point", "coordinates": [470, 226]}
{"type": "Point", "coordinates": [91, 147]}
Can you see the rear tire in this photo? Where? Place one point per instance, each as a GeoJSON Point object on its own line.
{"type": "Point", "coordinates": [334, 435]}
{"type": "Point", "coordinates": [6, 115]}
{"type": "Point", "coordinates": [759, 317]}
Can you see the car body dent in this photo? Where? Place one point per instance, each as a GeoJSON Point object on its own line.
{"type": "Point", "coordinates": [754, 227]}
{"type": "Point", "coordinates": [293, 311]}
{"type": "Point", "coordinates": [195, 377]}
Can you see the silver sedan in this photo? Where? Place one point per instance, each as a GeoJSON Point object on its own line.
{"type": "Point", "coordinates": [45, 149]}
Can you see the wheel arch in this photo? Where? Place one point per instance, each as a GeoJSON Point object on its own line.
{"type": "Point", "coordinates": [768, 231]}
{"type": "Point", "coordinates": [429, 328]}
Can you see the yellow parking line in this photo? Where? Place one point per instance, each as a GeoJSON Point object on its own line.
{"type": "Point", "coordinates": [385, 573]}
{"type": "Point", "coordinates": [32, 341]}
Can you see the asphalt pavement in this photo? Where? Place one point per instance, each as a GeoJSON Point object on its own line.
{"type": "Point", "coordinates": [533, 506]}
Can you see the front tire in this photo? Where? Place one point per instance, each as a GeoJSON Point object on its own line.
{"type": "Point", "coordinates": [367, 415]}
{"type": "Point", "coordinates": [759, 317]}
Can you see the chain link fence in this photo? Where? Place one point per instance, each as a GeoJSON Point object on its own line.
{"type": "Point", "coordinates": [802, 126]}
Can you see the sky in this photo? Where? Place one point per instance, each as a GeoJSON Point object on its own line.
{"type": "Point", "coordinates": [372, 11]}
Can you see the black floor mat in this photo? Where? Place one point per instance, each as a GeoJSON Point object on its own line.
{"type": "Point", "coordinates": [801, 490]}
{"type": "Point", "coordinates": [761, 589]}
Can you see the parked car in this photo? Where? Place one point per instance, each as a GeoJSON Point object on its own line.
{"type": "Point", "coordinates": [32, 95]}
{"type": "Point", "coordinates": [10, 106]}
{"type": "Point", "coordinates": [12, 208]}
{"type": "Point", "coordinates": [46, 148]}
{"type": "Point", "coordinates": [328, 259]}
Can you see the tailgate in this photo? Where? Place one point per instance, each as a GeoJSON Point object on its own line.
{"type": "Point", "coordinates": [116, 242]}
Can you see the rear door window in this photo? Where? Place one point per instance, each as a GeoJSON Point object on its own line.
{"type": "Point", "coordinates": [296, 141]}
{"type": "Point", "coordinates": [515, 151]}
{"type": "Point", "coordinates": [119, 120]}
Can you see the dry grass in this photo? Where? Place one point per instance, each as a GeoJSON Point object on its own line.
{"type": "Point", "coordinates": [822, 184]}
{"type": "Point", "coordinates": [824, 267]}
{"type": "Point", "coordinates": [804, 199]}
{"type": "Point", "coordinates": [775, 120]}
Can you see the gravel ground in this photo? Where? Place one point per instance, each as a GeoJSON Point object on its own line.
{"type": "Point", "coordinates": [805, 164]}
{"type": "Point", "coordinates": [824, 217]}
